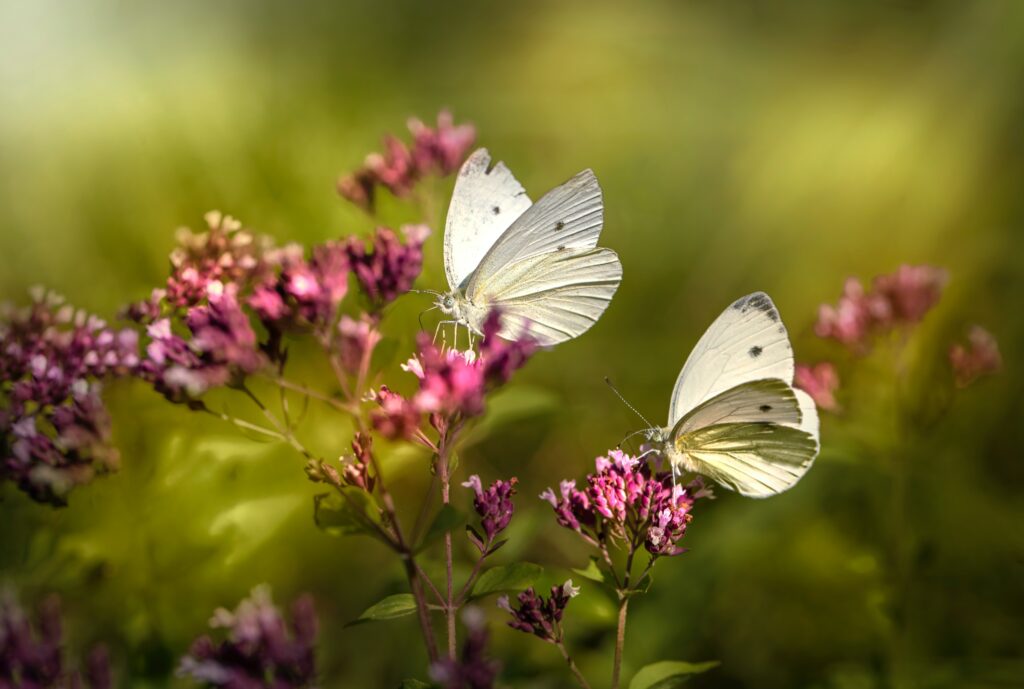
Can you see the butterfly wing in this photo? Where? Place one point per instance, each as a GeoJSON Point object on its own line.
{"type": "Point", "coordinates": [568, 217]}
{"type": "Point", "coordinates": [485, 201]}
{"type": "Point", "coordinates": [754, 459]}
{"type": "Point", "coordinates": [747, 342]}
{"type": "Point", "coordinates": [760, 401]}
{"type": "Point", "coordinates": [551, 297]}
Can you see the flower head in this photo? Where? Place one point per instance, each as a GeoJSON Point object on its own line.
{"type": "Point", "coordinates": [389, 267]}
{"type": "Point", "coordinates": [820, 381]}
{"type": "Point", "coordinates": [399, 168]}
{"type": "Point", "coordinates": [259, 645]}
{"type": "Point", "coordinates": [898, 299]}
{"type": "Point", "coordinates": [540, 616]}
{"type": "Point", "coordinates": [624, 502]}
{"type": "Point", "coordinates": [979, 357]}
{"type": "Point", "coordinates": [494, 506]}
{"type": "Point", "coordinates": [34, 653]}
{"type": "Point", "coordinates": [473, 669]}
{"type": "Point", "coordinates": [397, 417]}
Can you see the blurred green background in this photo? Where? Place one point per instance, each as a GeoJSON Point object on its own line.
{"type": "Point", "coordinates": [741, 145]}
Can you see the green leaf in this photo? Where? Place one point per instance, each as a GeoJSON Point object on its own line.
{"type": "Point", "coordinates": [507, 578]}
{"type": "Point", "coordinates": [353, 513]}
{"type": "Point", "coordinates": [668, 673]}
{"type": "Point", "coordinates": [414, 684]}
{"type": "Point", "coordinates": [592, 571]}
{"type": "Point", "coordinates": [390, 608]}
{"type": "Point", "coordinates": [598, 571]}
{"type": "Point", "coordinates": [447, 519]}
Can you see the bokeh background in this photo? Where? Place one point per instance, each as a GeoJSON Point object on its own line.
{"type": "Point", "coordinates": [741, 145]}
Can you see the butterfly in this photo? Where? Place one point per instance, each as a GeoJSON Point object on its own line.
{"type": "Point", "coordinates": [538, 263]}
{"type": "Point", "coordinates": [734, 415]}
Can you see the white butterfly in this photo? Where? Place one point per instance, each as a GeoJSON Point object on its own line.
{"type": "Point", "coordinates": [538, 263]}
{"type": "Point", "coordinates": [735, 416]}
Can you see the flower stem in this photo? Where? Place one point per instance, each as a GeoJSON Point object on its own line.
{"type": "Point", "coordinates": [580, 679]}
{"type": "Point", "coordinates": [620, 641]}
{"type": "Point", "coordinates": [449, 612]}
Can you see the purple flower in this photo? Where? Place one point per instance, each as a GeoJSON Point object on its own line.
{"type": "Point", "coordinates": [473, 669]}
{"type": "Point", "coordinates": [388, 269]}
{"type": "Point", "coordinates": [223, 335]}
{"type": "Point", "coordinates": [495, 508]}
{"type": "Point", "coordinates": [820, 381]}
{"type": "Point", "coordinates": [625, 502]}
{"type": "Point", "coordinates": [34, 659]}
{"type": "Point", "coordinates": [356, 467]}
{"type": "Point", "coordinates": [451, 381]}
{"type": "Point", "coordinates": [980, 357]}
{"type": "Point", "coordinates": [912, 291]}
{"type": "Point", "coordinates": [502, 358]}
{"type": "Point", "coordinates": [540, 616]}
{"type": "Point", "coordinates": [56, 431]}
{"type": "Point", "coordinates": [305, 293]}
{"type": "Point", "coordinates": [261, 650]}
{"type": "Point", "coordinates": [399, 168]}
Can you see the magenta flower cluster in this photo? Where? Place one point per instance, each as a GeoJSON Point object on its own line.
{"type": "Point", "coordinates": [452, 383]}
{"type": "Point", "coordinates": [978, 357]}
{"type": "Point", "coordinates": [897, 299]}
{"type": "Point", "coordinates": [625, 502]}
{"type": "Point", "coordinates": [494, 507]}
{"type": "Point", "coordinates": [56, 430]}
{"type": "Point", "coordinates": [389, 268]}
{"type": "Point", "coordinates": [261, 650]}
{"type": "Point", "coordinates": [35, 659]}
{"type": "Point", "coordinates": [436, 150]}
{"type": "Point", "coordinates": [540, 616]}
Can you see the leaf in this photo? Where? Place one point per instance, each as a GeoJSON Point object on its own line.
{"type": "Point", "coordinates": [597, 570]}
{"type": "Point", "coordinates": [414, 684]}
{"type": "Point", "coordinates": [447, 519]}
{"type": "Point", "coordinates": [507, 578]}
{"type": "Point", "coordinates": [668, 673]}
{"type": "Point", "coordinates": [354, 513]}
{"type": "Point", "coordinates": [390, 608]}
{"type": "Point", "coordinates": [592, 571]}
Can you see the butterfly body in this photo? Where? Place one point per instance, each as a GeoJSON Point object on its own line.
{"type": "Point", "coordinates": [539, 264]}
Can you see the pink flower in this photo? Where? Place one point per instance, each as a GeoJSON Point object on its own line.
{"type": "Point", "coordinates": [980, 357]}
{"type": "Point", "coordinates": [452, 381]}
{"type": "Point", "coordinates": [820, 381]}
{"type": "Point", "coordinates": [540, 616]}
{"type": "Point", "coordinates": [899, 299]}
{"type": "Point", "coordinates": [356, 341]}
{"type": "Point", "coordinates": [397, 417]}
{"type": "Point", "coordinates": [399, 168]}
{"type": "Point", "coordinates": [624, 502]}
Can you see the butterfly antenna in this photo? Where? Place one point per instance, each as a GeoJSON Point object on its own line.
{"type": "Point", "coordinates": [618, 394]}
{"type": "Point", "coordinates": [420, 317]}
{"type": "Point", "coordinates": [431, 292]}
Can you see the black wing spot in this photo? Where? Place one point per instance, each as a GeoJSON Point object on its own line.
{"type": "Point", "coordinates": [496, 210]}
{"type": "Point", "coordinates": [561, 247]}
{"type": "Point", "coordinates": [559, 225]}
{"type": "Point", "coordinates": [755, 352]}
{"type": "Point", "coordinates": [765, 408]}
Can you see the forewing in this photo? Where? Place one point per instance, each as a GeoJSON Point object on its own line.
{"type": "Point", "coordinates": [760, 401]}
{"type": "Point", "coordinates": [552, 297]}
{"type": "Point", "coordinates": [747, 342]}
{"type": "Point", "coordinates": [756, 460]}
{"type": "Point", "coordinates": [485, 201]}
{"type": "Point", "coordinates": [568, 217]}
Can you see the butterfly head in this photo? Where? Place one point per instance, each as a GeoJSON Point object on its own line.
{"type": "Point", "coordinates": [449, 304]}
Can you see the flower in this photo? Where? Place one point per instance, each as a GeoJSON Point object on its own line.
{"type": "Point", "coordinates": [980, 357]}
{"type": "Point", "coordinates": [898, 299]}
{"type": "Point", "coordinates": [223, 335]}
{"type": "Point", "coordinates": [226, 254]}
{"type": "Point", "coordinates": [495, 508]}
{"type": "Point", "coordinates": [437, 151]}
{"type": "Point", "coordinates": [540, 616]}
{"type": "Point", "coordinates": [55, 428]}
{"type": "Point", "coordinates": [356, 341]}
{"type": "Point", "coordinates": [820, 381]}
{"type": "Point", "coordinates": [305, 293]}
{"type": "Point", "coordinates": [389, 268]}
{"type": "Point", "coordinates": [625, 502]}
{"type": "Point", "coordinates": [356, 467]}
{"type": "Point", "coordinates": [473, 669]}
{"type": "Point", "coordinates": [34, 659]}
{"type": "Point", "coordinates": [502, 358]}
{"type": "Point", "coordinates": [397, 417]}
{"type": "Point", "coordinates": [260, 650]}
